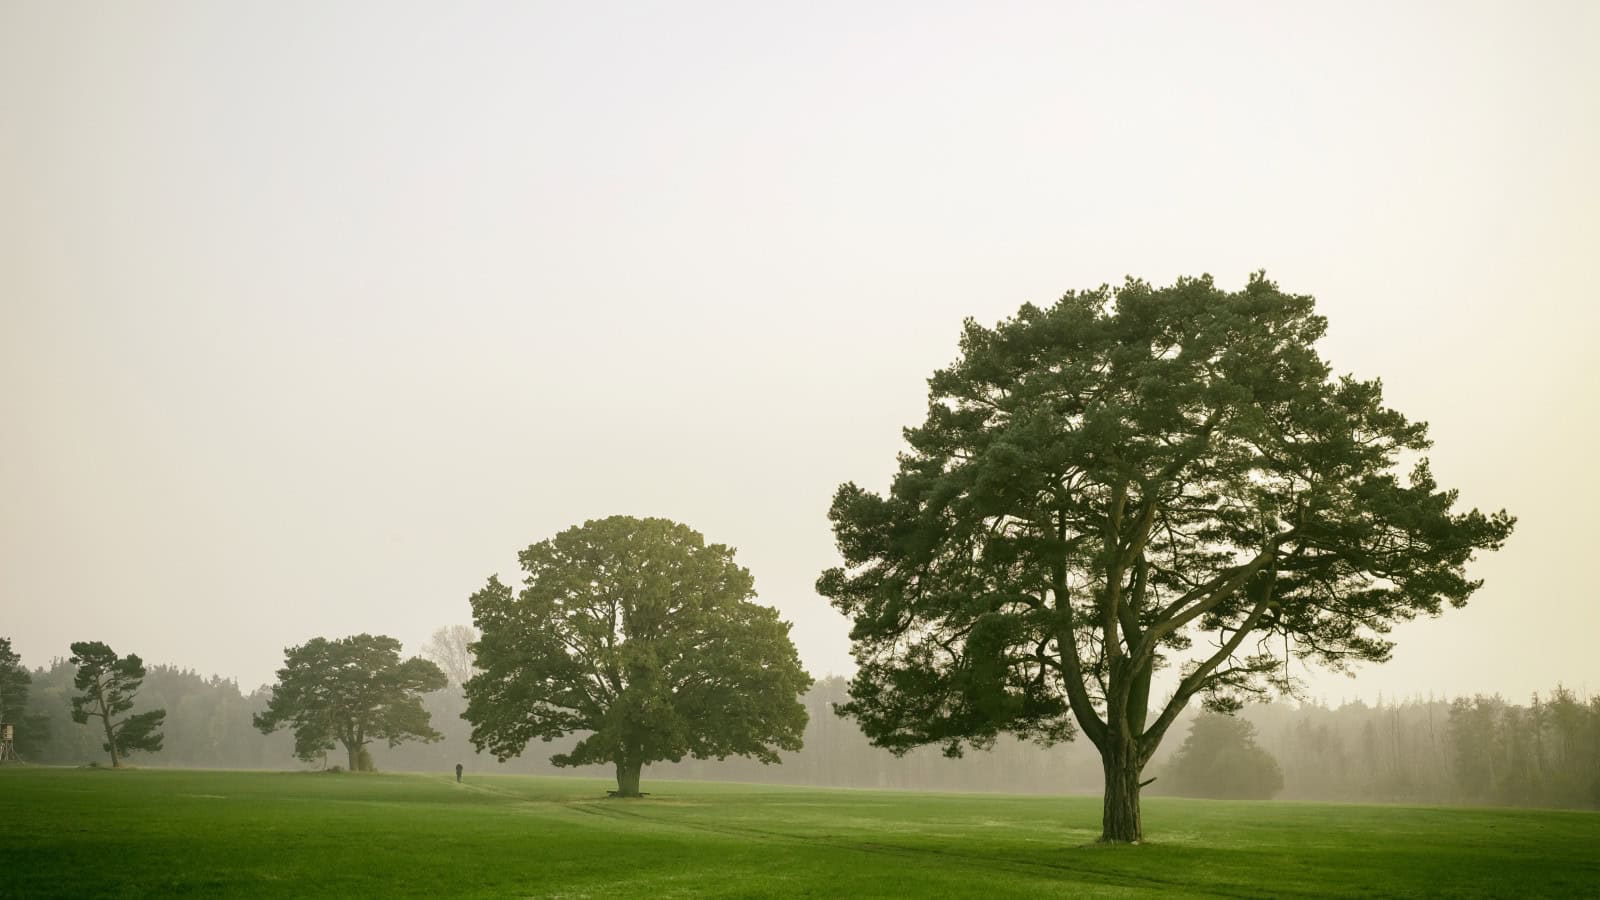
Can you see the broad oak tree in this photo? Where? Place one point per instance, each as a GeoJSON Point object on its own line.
{"type": "Point", "coordinates": [352, 691]}
{"type": "Point", "coordinates": [1126, 479]}
{"type": "Point", "coordinates": [108, 683]}
{"type": "Point", "coordinates": [642, 637]}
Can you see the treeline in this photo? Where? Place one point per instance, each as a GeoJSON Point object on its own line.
{"type": "Point", "coordinates": [835, 754]}
{"type": "Point", "coordinates": [1546, 754]}
{"type": "Point", "coordinates": [207, 724]}
{"type": "Point", "coordinates": [1478, 750]}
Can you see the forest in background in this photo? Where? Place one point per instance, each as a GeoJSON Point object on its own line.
{"type": "Point", "coordinates": [1478, 750]}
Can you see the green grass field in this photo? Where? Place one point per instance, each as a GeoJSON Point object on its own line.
{"type": "Point", "coordinates": [160, 833]}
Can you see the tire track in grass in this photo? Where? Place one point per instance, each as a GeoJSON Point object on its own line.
{"type": "Point", "coordinates": [610, 810]}
{"type": "Point", "coordinates": [989, 863]}
{"type": "Point", "coordinates": [514, 797]}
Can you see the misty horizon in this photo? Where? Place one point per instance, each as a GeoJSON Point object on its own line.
{"type": "Point", "coordinates": [309, 335]}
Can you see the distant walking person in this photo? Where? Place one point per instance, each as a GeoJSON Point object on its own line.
{"type": "Point", "coordinates": [458, 773]}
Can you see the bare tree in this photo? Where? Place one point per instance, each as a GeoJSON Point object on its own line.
{"type": "Point", "coordinates": [450, 648]}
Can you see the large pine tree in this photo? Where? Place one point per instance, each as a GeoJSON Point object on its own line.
{"type": "Point", "coordinates": [1126, 478]}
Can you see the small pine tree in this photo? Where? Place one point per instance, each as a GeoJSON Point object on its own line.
{"type": "Point", "coordinates": [1220, 759]}
{"type": "Point", "coordinates": [108, 683]}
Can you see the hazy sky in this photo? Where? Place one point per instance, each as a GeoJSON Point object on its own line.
{"type": "Point", "coordinates": [313, 314]}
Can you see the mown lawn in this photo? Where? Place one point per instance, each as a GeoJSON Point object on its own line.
{"type": "Point", "coordinates": [162, 833]}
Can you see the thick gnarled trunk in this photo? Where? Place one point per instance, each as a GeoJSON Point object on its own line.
{"type": "Point", "coordinates": [628, 777]}
{"type": "Point", "coordinates": [1120, 822]}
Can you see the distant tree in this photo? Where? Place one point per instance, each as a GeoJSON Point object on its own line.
{"type": "Point", "coordinates": [641, 634]}
{"type": "Point", "coordinates": [1317, 755]}
{"type": "Point", "coordinates": [1125, 479]}
{"type": "Point", "coordinates": [14, 681]}
{"type": "Point", "coordinates": [1568, 723]}
{"type": "Point", "coordinates": [32, 728]}
{"type": "Point", "coordinates": [1479, 747]}
{"type": "Point", "coordinates": [351, 691]}
{"type": "Point", "coordinates": [1589, 763]}
{"type": "Point", "coordinates": [451, 648]}
{"type": "Point", "coordinates": [107, 684]}
{"type": "Point", "coordinates": [1220, 759]}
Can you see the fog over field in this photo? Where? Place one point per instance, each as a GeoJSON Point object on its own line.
{"type": "Point", "coordinates": [311, 317]}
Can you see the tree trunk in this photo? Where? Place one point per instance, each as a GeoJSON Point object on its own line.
{"type": "Point", "coordinates": [353, 750]}
{"type": "Point", "coordinates": [628, 777]}
{"type": "Point", "coordinates": [1120, 823]}
{"type": "Point", "coordinates": [105, 719]}
{"type": "Point", "coordinates": [111, 743]}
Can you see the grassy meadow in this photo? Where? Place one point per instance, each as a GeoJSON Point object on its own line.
{"type": "Point", "coordinates": [165, 833]}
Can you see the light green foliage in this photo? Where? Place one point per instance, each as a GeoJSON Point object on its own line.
{"type": "Point", "coordinates": [305, 835]}
{"type": "Point", "coordinates": [1115, 482]}
{"type": "Point", "coordinates": [1220, 759]}
{"type": "Point", "coordinates": [643, 635]}
{"type": "Point", "coordinates": [351, 691]}
{"type": "Point", "coordinates": [107, 684]}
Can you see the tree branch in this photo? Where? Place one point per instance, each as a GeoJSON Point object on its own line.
{"type": "Point", "coordinates": [1225, 584]}
{"type": "Point", "coordinates": [1067, 640]}
{"type": "Point", "coordinates": [1196, 679]}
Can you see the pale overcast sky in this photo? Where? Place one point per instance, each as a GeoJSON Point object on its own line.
{"type": "Point", "coordinates": [313, 314]}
